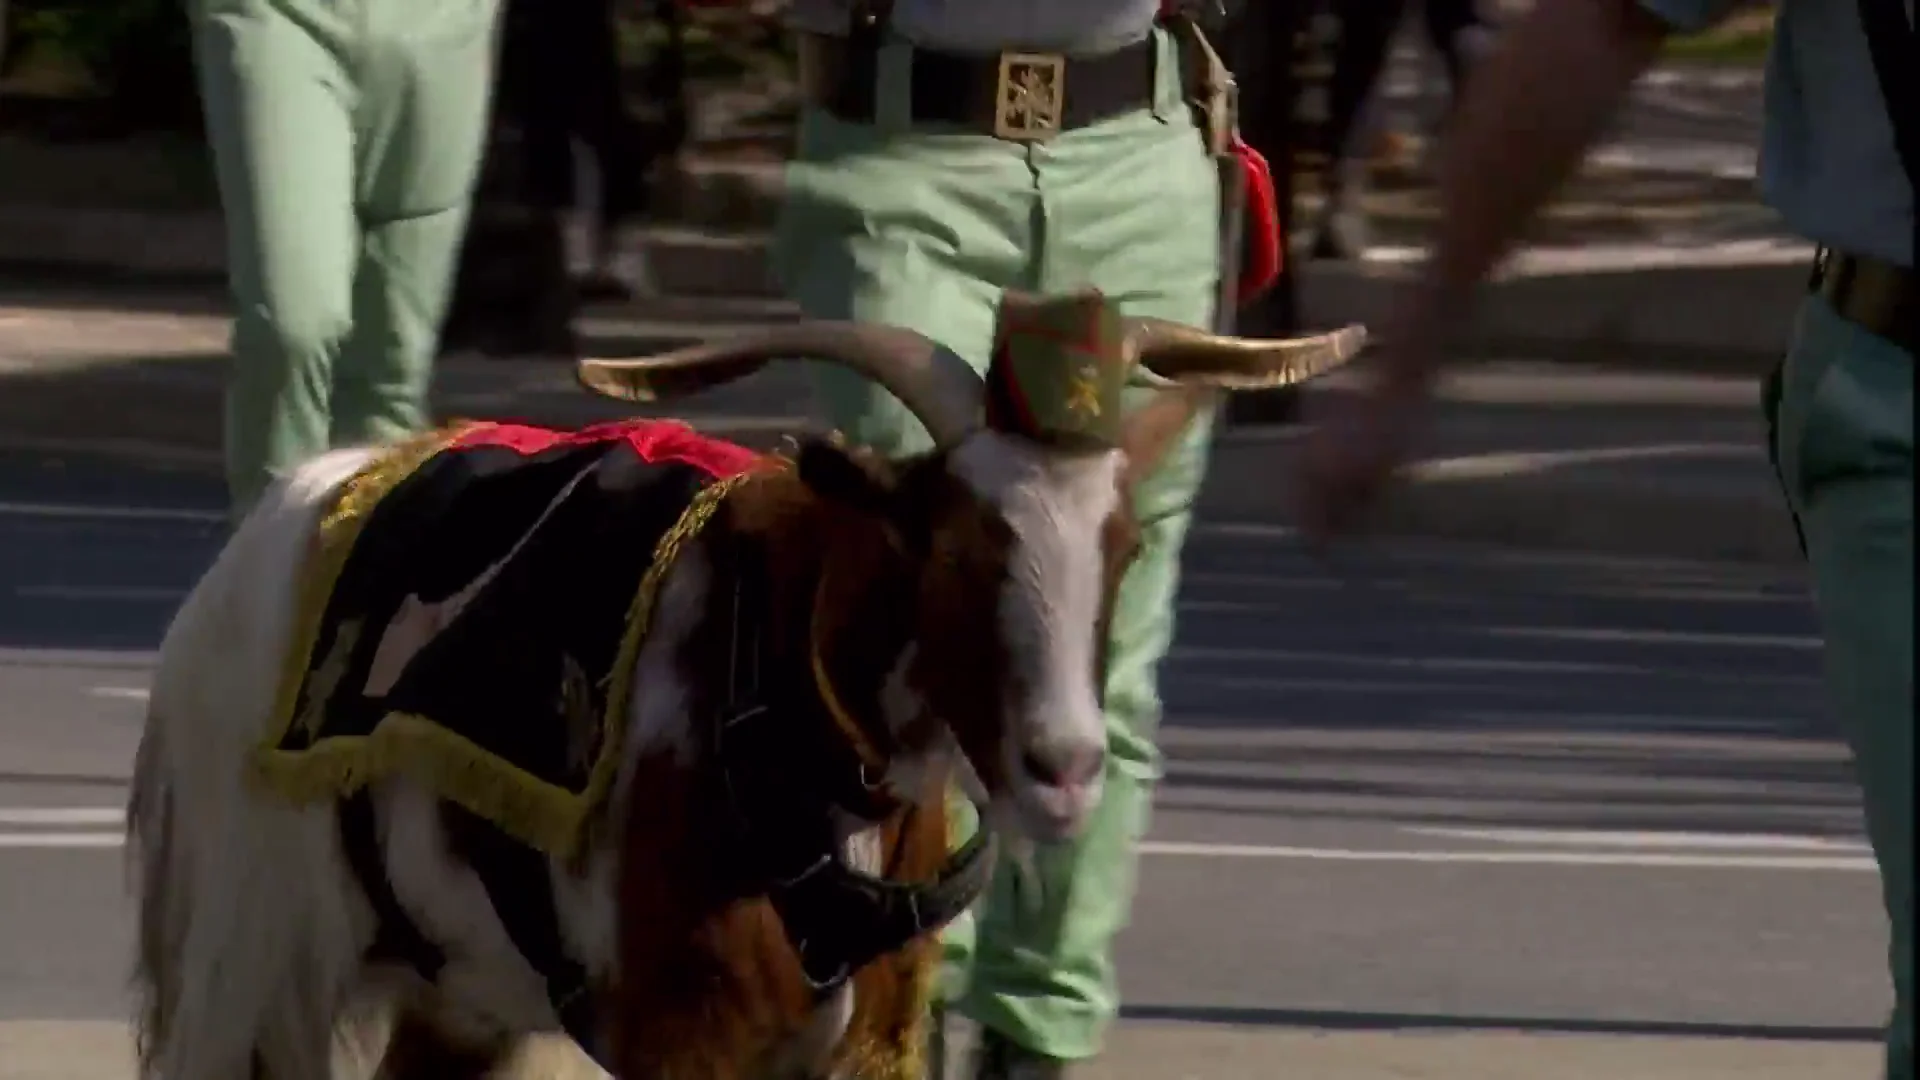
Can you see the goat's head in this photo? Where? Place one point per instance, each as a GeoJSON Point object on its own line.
{"type": "Point", "coordinates": [1017, 528]}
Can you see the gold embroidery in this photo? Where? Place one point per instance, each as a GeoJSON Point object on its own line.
{"type": "Point", "coordinates": [1083, 392]}
{"type": "Point", "coordinates": [326, 680]}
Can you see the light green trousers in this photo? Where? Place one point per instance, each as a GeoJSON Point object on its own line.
{"type": "Point", "coordinates": [924, 228]}
{"type": "Point", "coordinates": [1841, 412]}
{"type": "Point", "coordinates": [346, 137]}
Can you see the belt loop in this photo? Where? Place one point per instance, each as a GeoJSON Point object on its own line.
{"type": "Point", "coordinates": [1169, 97]}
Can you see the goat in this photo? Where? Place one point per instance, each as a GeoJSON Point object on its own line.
{"type": "Point", "coordinates": [913, 626]}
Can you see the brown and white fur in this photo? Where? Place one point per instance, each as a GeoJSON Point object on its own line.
{"type": "Point", "coordinates": [252, 928]}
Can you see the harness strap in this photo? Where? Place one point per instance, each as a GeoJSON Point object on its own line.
{"type": "Point", "coordinates": [397, 938]}
{"type": "Point", "coordinates": [519, 882]}
{"type": "Point", "coordinates": [840, 919]}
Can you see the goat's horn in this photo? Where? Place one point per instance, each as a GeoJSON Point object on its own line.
{"type": "Point", "coordinates": [935, 385]}
{"type": "Point", "coordinates": [1187, 355]}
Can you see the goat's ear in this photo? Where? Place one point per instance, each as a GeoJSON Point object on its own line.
{"type": "Point", "coordinates": [1150, 431]}
{"type": "Point", "coordinates": [837, 475]}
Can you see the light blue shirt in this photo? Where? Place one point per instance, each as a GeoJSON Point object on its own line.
{"type": "Point", "coordinates": [1827, 157]}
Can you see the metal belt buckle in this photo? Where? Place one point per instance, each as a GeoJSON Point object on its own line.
{"type": "Point", "coordinates": [1030, 97]}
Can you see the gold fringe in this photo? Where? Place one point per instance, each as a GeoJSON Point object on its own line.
{"type": "Point", "coordinates": [879, 1050]}
{"type": "Point", "coordinates": [898, 1055]}
{"type": "Point", "coordinates": [542, 815]}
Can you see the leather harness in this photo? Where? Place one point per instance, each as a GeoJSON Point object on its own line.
{"type": "Point", "coordinates": [782, 777]}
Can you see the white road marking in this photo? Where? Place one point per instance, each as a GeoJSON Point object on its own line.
{"type": "Point", "coordinates": [1665, 860]}
{"type": "Point", "coordinates": [126, 593]}
{"type": "Point", "coordinates": [62, 815]}
{"type": "Point", "coordinates": [44, 840]}
{"type": "Point", "coordinates": [1325, 660]}
{"type": "Point", "coordinates": [1833, 862]}
{"type": "Point", "coordinates": [1597, 838]}
{"type": "Point", "coordinates": [1239, 580]}
{"type": "Point", "coordinates": [1180, 849]}
{"type": "Point", "coordinates": [113, 513]}
{"type": "Point", "coordinates": [1655, 637]}
{"type": "Point", "coordinates": [120, 693]}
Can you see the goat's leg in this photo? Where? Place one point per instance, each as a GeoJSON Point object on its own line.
{"type": "Point", "coordinates": [418, 1050]}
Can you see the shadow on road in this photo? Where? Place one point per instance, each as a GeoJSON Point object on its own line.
{"type": "Point", "coordinates": [1366, 1021]}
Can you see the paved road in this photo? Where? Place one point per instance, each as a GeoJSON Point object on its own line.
{"type": "Point", "coordinates": [1423, 788]}
{"type": "Point", "coordinates": [1679, 118]}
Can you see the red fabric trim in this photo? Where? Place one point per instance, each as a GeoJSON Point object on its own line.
{"type": "Point", "coordinates": [1007, 407]}
{"type": "Point", "coordinates": [1265, 247]}
{"type": "Point", "coordinates": [659, 441]}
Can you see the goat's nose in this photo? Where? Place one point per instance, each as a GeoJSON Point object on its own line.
{"type": "Point", "coordinates": [1064, 763]}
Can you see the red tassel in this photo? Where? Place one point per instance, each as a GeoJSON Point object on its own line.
{"type": "Point", "coordinates": [1265, 247]}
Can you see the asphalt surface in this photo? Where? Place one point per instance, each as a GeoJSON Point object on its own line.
{"type": "Point", "coordinates": [1679, 118]}
{"type": "Point", "coordinates": [1416, 788]}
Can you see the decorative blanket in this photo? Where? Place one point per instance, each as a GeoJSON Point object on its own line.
{"type": "Point", "coordinates": [472, 613]}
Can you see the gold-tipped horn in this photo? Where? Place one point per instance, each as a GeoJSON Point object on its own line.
{"type": "Point", "coordinates": [1187, 355]}
{"type": "Point", "coordinates": [934, 384]}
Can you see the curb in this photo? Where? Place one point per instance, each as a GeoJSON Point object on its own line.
{"type": "Point", "coordinates": [1725, 306]}
{"type": "Point", "coordinates": [1481, 499]}
{"type": "Point", "coordinates": [167, 413]}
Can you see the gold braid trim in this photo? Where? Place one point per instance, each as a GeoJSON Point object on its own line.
{"type": "Point", "coordinates": [332, 542]}
{"type": "Point", "coordinates": [894, 1047]}
{"type": "Point", "coordinates": [542, 815]}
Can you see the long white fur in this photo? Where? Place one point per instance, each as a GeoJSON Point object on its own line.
{"type": "Point", "coordinates": [264, 926]}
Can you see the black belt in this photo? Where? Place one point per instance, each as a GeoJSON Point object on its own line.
{"type": "Point", "coordinates": [1022, 96]}
{"type": "Point", "coordinates": [1879, 297]}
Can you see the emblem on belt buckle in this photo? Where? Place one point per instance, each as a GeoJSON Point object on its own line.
{"type": "Point", "coordinates": [1030, 97]}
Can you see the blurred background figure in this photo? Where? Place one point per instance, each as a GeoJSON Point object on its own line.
{"type": "Point", "coordinates": [542, 241]}
{"type": "Point", "coordinates": [1274, 61]}
{"type": "Point", "coordinates": [1265, 41]}
{"type": "Point", "coordinates": [1363, 39]}
{"type": "Point", "coordinates": [567, 53]}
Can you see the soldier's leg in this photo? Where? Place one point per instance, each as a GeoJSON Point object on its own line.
{"type": "Point", "coordinates": [278, 117]}
{"type": "Point", "coordinates": [1130, 207]}
{"type": "Point", "coordinates": [426, 99]}
{"type": "Point", "coordinates": [1845, 442]}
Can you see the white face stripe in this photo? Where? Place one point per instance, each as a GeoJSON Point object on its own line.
{"type": "Point", "coordinates": [1057, 506]}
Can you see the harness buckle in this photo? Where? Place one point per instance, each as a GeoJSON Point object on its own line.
{"type": "Point", "coordinates": [1030, 96]}
{"type": "Point", "coordinates": [841, 973]}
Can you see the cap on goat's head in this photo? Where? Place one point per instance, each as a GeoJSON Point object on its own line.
{"type": "Point", "coordinates": [1058, 368]}
{"type": "Point", "coordinates": [1012, 536]}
